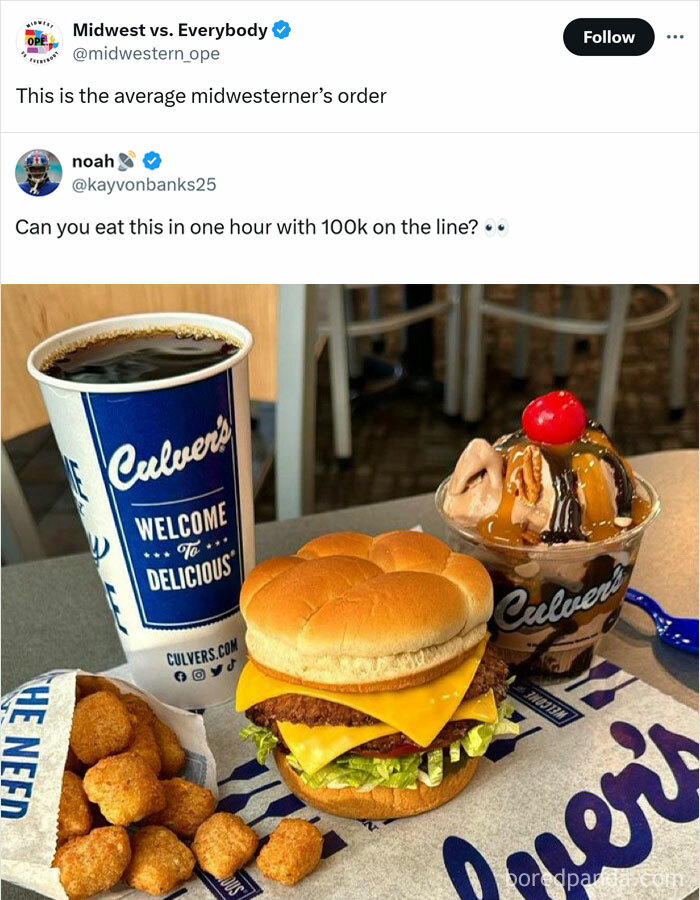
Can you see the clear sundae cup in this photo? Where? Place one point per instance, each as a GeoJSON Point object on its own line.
{"type": "Point", "coordinates": [556, 515]}
{"type": "Point", "coordinates": [553, 603]}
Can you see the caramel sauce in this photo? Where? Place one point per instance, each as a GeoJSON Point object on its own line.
{"type": "Point", "coordinates": [500, 526]}
{"type": "Point", "coordinates": [599, 510]}
{"type": "Point", "coordinates": [573, 466]}
{"type": "Point", "coordinates": [640, 510]}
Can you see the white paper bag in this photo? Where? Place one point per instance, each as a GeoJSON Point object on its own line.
{"type": "Point", "coordinates": [35, 730]}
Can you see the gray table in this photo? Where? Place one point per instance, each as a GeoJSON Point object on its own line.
{"type": "Point", "coordinates": [55, 615]}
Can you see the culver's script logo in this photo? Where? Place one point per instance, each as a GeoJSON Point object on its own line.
{"type": "Point", "coordinates": [125, 469]}
{"type": "Point", "coordinates": [514, 610]}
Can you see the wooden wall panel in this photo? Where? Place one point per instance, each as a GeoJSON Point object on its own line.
{"type": "Point", "coordinates": [31, 313]}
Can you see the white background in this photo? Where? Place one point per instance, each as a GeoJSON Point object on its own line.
{"type": "Point", "coordinates": [592, 161]}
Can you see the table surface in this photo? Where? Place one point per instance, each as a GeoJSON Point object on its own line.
{"type": "Point", "coordinates": [54, 614]}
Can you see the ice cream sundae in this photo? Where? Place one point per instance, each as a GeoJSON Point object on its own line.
{"type": "Point", "coordinates": [556, 514]}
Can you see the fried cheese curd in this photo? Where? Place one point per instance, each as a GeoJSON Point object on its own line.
{"type": "Point", "coordinates": [90, 684]}
{"type": "Point", "coordinates": [94, 862]}
{"type": "Point", "coordinates": [125, 788]}
{"type": "Point", "coordinates": [74, 815]}
{"type": "Point", "coordinates": [172, 756]}
{"type": "Point", "coordinates": [121, 746]}
{"type": "Point", "coordinates": [171, 753]}
{"type": "Point", "coordinates": [101, 726]}
{"type": "Point", "coordinates": [223, 844]}
{"type": "Point", "coordinates": [187, 805]}
{"type": "Point", "coordinates": [144, 745]}
{"type": "Point", "coordinates": [292, 853]}
{"type": "Point", "coordinates": [139, 708]}
{"type": "Point", "coordinates": [159, 860]}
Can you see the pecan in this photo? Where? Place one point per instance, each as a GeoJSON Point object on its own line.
{"type": "Point", "coordinates": [526, 475]}
{"type": "Point", "coordinates": [530, 537]}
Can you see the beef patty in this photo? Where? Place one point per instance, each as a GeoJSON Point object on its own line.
{"type": "Point", "coordinates": [298, 708]}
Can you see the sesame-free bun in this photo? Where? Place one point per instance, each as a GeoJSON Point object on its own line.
{"type": "Point", "coordinates": [381, 802]}
{"type": "Point", "coordinates": [355, 613]}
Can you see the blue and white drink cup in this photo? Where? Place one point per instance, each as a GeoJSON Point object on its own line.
{"type": "Point", "coordinates": [161, 474]}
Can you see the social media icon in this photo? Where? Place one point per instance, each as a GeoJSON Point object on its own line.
{"type": "Point", "coordinates": [199, 675]}
{"type": "Point", "coordinates": [180, 676]}
{"type": "Point", "coordinates": [216, 670]}
{"type": "Point", "coordinates": [281, 29]}
{"type": "Point", "coordinates": [230, 666]}
{"type": "Point", "coordinates": [152, 160]}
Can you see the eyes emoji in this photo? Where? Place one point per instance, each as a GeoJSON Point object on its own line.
{"type": "Point", "coordinates": [492, 227]}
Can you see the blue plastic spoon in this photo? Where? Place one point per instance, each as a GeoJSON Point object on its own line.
{"type": "Point", "coordinates": [674, 630]}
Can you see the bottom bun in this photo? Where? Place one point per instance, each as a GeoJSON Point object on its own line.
{"type": "Point", "coordinates": [381, 802]}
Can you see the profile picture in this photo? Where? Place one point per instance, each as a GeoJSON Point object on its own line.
{"type": "Point", "coordinates": [38, 172]}
{"type": "Point", "coordinates": [39, 41]}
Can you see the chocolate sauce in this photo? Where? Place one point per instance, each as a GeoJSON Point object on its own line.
{"type": "Point", "coordinates": [565, 523]}
{"type": "Point", "coordinates": [534, 664]}
{"type": "Point", "coordinates": [149, 355]}
{"type": "Point", "coordinates": [624, 489]}
{"type": "Point", "coordinates": [541, 662]}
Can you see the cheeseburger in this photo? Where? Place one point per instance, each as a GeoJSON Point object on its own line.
{"type": "Point", "coordinates": [370, 675]}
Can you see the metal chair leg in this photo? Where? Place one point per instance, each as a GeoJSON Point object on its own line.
{"type": "Point", "coordinates": [521, 360]}
{"type": "Point", "coordinates": [375, 312]}
{"type": "Point", "coordinates": [562, 342]}
{"type": "Point", "coordinates": [403, 334]}
{"type": "Point", "coordinates": [354, 361]}
{"type": "Point", "coordinates": [679, 348]}
{"type": "Point", "coordinates": [473, 387]}
{"type": "Point", "coordinates": [621, 295]}
{"type": "Point", "coordinates": [453, 350]}
{"type": "Point", "coordinates": [295, 411]}
{"type": "Point", "coordinates": [340, 386]}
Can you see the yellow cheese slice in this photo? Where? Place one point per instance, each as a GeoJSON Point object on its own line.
{"type": "Point", "coordinates": [420, 712]}
{"type": "Point", "coordinates": [482, 708]}
{"type": "Point", "coordinates": [316, 746]}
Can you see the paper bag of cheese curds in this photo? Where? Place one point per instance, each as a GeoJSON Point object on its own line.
{"type": "Point", "coordinates": [84, 757]}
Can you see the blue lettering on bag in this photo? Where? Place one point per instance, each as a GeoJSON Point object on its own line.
{"type": "Point", "coordinates": [240, 886]}
{"type": "Point", "coordinates": [541, 701]}
{"type": "Point", "coordinates": [588, 821]}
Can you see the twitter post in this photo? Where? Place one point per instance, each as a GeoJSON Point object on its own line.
{"type": "Point", "coordinates": [380, 588]}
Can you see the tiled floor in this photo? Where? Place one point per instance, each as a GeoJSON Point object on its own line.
{"type": "Point", "coordinates": [402, 442]}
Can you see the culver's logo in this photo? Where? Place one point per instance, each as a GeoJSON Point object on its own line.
{"type": "Point", "coordinates": [125, 469]}
{"type": "Point", "coordinates": [587, 856]}
{"type": "Point", "coordinates": [514, 610]}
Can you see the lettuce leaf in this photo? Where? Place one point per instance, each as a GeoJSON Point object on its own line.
{"type": "Point", "coordinates": [435, 766]}
{"type": "Point", "coordinates": [365, 773]}
{"type": "Point", "coordinates": [263, 738]}
{"type": "Point", "coordinates": [477, 740]}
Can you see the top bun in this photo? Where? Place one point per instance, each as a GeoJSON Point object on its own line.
{"type": "Point", "coordinates": [360, 614]}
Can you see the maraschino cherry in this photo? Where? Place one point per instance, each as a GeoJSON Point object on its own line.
{"type": "Point", "coordinates": [554, 418]}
